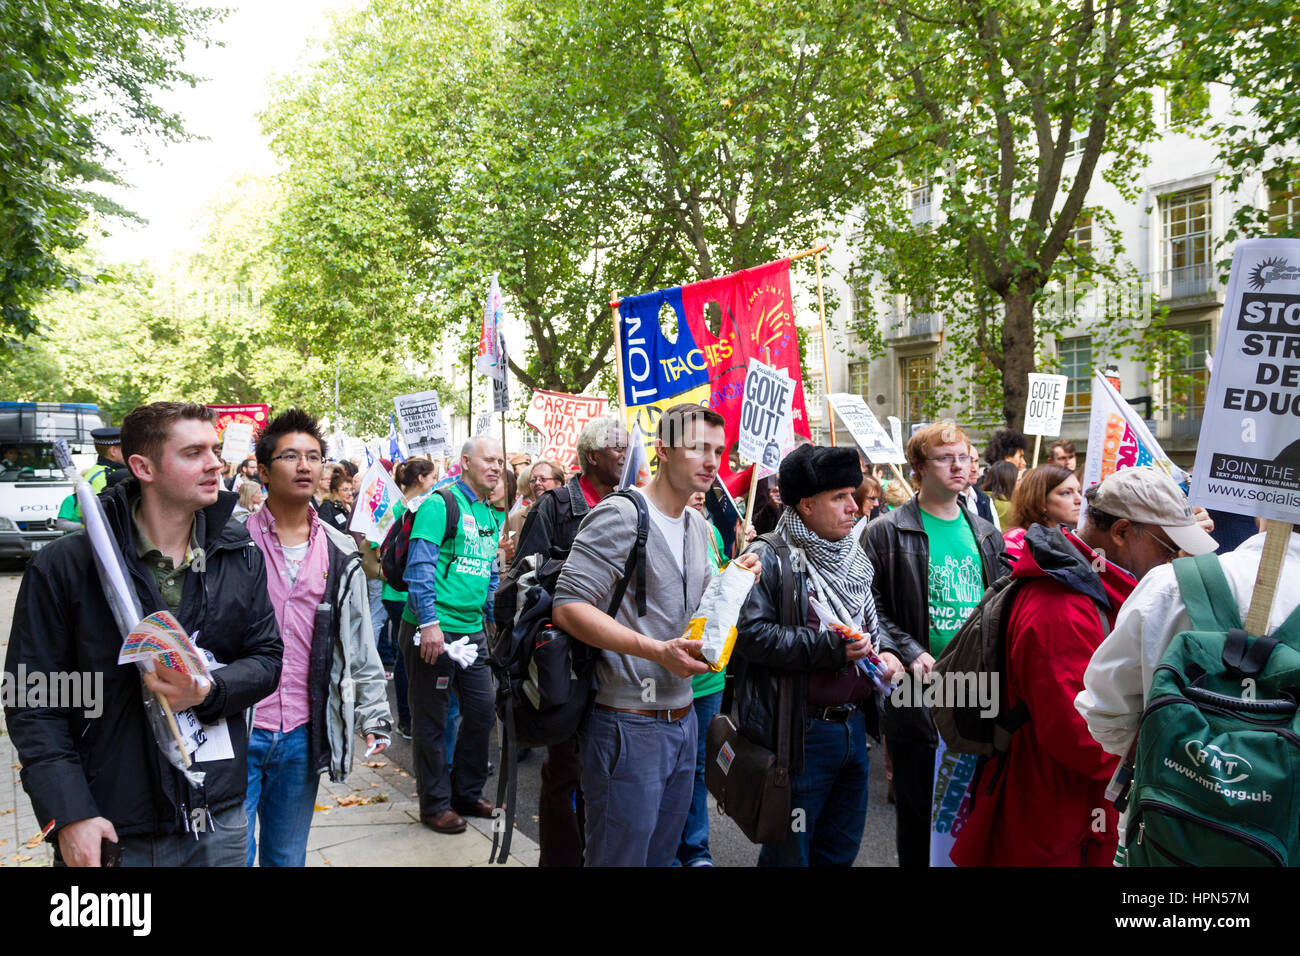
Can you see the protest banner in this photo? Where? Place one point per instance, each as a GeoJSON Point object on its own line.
{"type": "Point", "coordinates": [254, 415]}
{"type": "Point", "coordinates": [1248, 453]}
{"type": "Point", "coordinates": [373, 514]}
{"type": "Point", "coordinates": [766, 417]}
{"type": "Point", "coordinates": [419, 418]}
{"type": "Point", "coordinates": [1044, 408]}
{"type": "Point", "coordinates": [237, 441]}
{"type": "Point", "coordinates": [1118, 438]}
{"type": "Point", "coordinates": [560, 418]}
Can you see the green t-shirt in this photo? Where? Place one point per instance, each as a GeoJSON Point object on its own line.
{"type": "Point", "coordinates": [70, 509]}
{"type": "Point", "coordinates": [702, 685]}
{"type": "Point", "coordinates": [464, 568]}
{"type": "Point", "coordinates": [391, 593]}
{"type": "Point", "coordinates": [956, 577]}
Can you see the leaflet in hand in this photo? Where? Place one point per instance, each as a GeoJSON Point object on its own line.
{"type": "Point", "coordinates": [871, 665]}
{"type": "Point", "coordinates": [160, 637]}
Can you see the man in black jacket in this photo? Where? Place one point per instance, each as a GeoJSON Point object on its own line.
{"type": "Point", "coordinates": [932, 560]}
{"type": "Point", "coordinates": [105, 778]}
{"type": "Point", "coordinates": [831, 707]}
{"type": "Point", "coordinates": [553, 522]}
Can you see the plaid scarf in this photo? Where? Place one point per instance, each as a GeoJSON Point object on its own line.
{"type": "Point", "coordinates": [840, 570]}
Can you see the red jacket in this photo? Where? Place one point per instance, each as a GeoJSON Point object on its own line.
{"type": "Point", "coordinates": [1043, 807]}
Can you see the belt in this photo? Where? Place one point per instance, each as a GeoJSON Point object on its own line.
{"type": "Point", "coordinates": [661, 714]}
{"type": "Point", "coordinates": [840, 714]}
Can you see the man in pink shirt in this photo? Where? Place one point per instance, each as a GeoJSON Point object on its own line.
{"type": "Point", "coordinates": [318, 591]}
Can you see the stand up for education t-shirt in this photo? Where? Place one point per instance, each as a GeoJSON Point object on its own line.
{"type": "Point", "coordinates": [956, 577]}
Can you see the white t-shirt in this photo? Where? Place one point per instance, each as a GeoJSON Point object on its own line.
{"type": "Point", "coordinates": [294, 555]}
{"type": "Point", "coordinates": [673, 530]}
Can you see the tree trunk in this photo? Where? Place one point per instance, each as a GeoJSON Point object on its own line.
{"type": "Point", "coordinates": [1018, 351]}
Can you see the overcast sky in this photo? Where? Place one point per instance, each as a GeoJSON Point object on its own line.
{"type": "Point", "coordinates": [170, 185]}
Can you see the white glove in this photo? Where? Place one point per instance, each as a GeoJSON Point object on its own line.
{"type": "Point", "coordinates": [462, 652]}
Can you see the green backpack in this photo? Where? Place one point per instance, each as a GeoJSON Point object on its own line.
{"type": "Point", "coordinates": [1218, 748]}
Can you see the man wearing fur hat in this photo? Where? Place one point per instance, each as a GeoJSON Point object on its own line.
{"type": "Point", "coordinates": [830, 706]}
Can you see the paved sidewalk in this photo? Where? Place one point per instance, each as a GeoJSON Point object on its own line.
{"type": "Point", "coordinates": [346, 830]}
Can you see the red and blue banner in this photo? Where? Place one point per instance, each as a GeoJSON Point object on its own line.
{"type": "Point", "coordinates": [699, 366]}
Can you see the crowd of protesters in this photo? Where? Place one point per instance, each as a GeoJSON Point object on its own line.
{"type": "Point", "coordinates": [258, 562]}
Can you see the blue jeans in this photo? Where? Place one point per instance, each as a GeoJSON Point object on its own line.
{"type": "Point", "coordinates": [637, 773]}
{"type": "Point", "coordinates": [282, 793]}
{"type": "Point", "coordinates": [694, 848]}
{"type": "Point", "coordinates": [453, 725]}
{"type": "Point", "coordinates": [831, 792]}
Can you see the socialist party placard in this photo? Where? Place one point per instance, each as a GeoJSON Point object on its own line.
{"type": "Point", "coordinates": [1046, 404]}
{"type": "Point", "coordinates": [420, 419]}
{"type": "Point", "coordinates": [1248, 453]}
{"type": "Point", "coordinates": [876, 443]}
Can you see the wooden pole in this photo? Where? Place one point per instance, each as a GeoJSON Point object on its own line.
{"type": "Point", "coordinates": [618, 352]}
{"type": "Point", "coordinates": [749, 506]}
{"type": "Point", "coordinates": [175, 729]}
{"type": "Point", "coordinates": [1277, 535]}
{"type": "Point", "coordinates": [826, 364]}
{"type": "Point", "coordinates": [898, 473]}
{"type": "Point", "coordinates": [1038, 445]}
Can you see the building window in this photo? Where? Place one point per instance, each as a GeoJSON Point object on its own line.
{"type": "Point", "coordinates": [1075, 356]}
{"type": "Point", "coordinates": [1284, 201]}
{"type": "Point", "coordinates": [1081, 234]}
{"type": "Point", "coordinates": [1185, 243]}
{"type": "Point", "coordinates": [814, 397]}
{"type": "Point", "coordinates": [922, 203]}
{"type": "Point", "coordinates": [858, 378]}
{"type": "Point", "coordinates": [1192, 365]}
{"type": "Point", "coordinates": [918, 374]}
{"type": "Point", "coordinates": [1078, 139]}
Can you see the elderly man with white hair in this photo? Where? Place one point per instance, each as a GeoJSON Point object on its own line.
{"type": "Point", "coordinates": [451, 575]}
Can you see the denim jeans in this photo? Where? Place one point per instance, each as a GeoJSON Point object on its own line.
{"type": "Point", "coordinates": [220, 842]}
{"type": "Point", "coordinates": [378, 616]}
{"type": "Point", "coordinates": [281, 794]}
{"type": "Point", "coordinates": [831, 792]}
{"type": "Point", "coordinates": [400, 687]}
{"type": "Point", "coordinates": [694, 848]}
{"type": "Point", "coordinates": [637, 774]}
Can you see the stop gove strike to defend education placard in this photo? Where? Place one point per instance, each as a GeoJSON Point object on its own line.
{"type": "Point", "coordinates": [766, 416]}
{"type": "Point", "coordinates": [1248, 454]}
{"type": "Point", "coordinates": [1046, 404]}
{"type": "Point", "coordinates": [875, 442]}
{"type": "Point", "coordinates": [420, 419]}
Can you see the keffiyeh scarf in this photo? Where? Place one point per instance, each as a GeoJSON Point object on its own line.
{"type": "Point", "coordinates": [841, 572]}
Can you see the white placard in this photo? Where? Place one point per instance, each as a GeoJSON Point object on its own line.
{"type": "Point", "coordinates": [419, 417]}
{"type": "Point", "coordinates": [482, 423]}
{"type": "Point", "coordinates": [236, 441]}
{"type": "Point", "coordinates": [1248, 453]}
{"type": "Point", "coordinates": [875, 442]}
{"type": "Point", "coordinates": [896, 430]}
{"type": "Point", "coordinates": [1046, 404]}
{"type": "Point", "coordinates": [766, 416]}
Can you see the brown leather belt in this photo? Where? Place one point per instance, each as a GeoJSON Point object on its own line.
{"type": "Point", "coordinates": [661, 714]}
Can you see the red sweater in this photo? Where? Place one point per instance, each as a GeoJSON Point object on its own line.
{"type": "Point", "coordinates": [1043, 810]}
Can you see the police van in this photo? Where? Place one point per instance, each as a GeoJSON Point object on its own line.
{"type": "Point", "coordinates": [31, 486]}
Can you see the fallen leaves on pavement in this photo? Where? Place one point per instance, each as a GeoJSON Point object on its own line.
{"type": "Point", "coordinates": [357, 800]}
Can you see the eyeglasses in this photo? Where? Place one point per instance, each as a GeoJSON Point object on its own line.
{"type": "Point", "coordinates": [949, 460]}
{"type": "Point", "coordinates": [538, 479]}
{"type": "Point", "coordinates": [1171, 551]}
{"type": "Point", "coordinates": [292, 457]}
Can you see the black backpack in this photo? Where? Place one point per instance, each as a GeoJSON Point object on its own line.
{"type": "Point", "coordinates": [397, 543]}
{"type": "Point", "coordinates": [546, 680]}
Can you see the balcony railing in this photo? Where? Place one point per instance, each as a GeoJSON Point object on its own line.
{"type": "Point", "coordinates": [1185, 281]}
{"type": "Point", "coordinates": [911, 326]}
{"type": "Point", "coordinates": [1184, 425]}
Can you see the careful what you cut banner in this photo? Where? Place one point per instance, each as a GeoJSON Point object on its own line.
{"type": "Point", "coordinates": [699, 366]}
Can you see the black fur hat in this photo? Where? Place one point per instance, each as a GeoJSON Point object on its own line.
{"type": "Point", "coordinates": [811, 469]}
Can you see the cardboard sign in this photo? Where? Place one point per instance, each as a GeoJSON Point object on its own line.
{"type": "Point", "coordinates": [1046, 404]}
{"type": "Point", "coordinates": [420, 419]}
{"type": "Point", "coordinates": [876, 443]}
{"type": "Point", "coordinates": [766, 417]}
{"type": "Point", "coordinates": [1248, 453]}
{"type": "Point", "coordinates": [237, 441]}
{"type": "Point", "coordinates": [560, 418]}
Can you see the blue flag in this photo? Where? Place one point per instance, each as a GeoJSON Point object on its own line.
{"type": "Point", "coordinates": [394, 446]}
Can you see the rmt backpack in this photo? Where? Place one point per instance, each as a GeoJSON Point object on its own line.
{"type": "Point", "coordinates": [546, 680]}
{"type": "Point", "coordinates": [1218, 747]}
{"type": "Point", "coordinates": [397, 543]}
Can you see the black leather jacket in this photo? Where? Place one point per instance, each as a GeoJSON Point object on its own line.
{"type": "Point", "coordinates": [899, 550]}
{"type": "Point", "coordinates": [765, 649]}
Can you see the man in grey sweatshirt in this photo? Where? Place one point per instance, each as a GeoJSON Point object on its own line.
{"type": "Point", "coordinates": [639, 746]}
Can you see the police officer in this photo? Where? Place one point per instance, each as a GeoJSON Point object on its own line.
{"type": "Point", "coordinates": [108, 446]}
